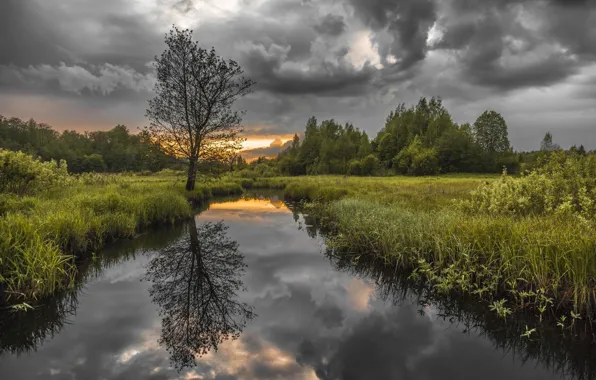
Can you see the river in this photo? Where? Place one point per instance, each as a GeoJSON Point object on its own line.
{"type": "Point", "coordinates": [247, 292]}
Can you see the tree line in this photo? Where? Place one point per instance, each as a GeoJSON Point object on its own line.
{"type": "Point", "coordinates": [421, 139]}
{"type": "Point", "coordinates": [116, 150]}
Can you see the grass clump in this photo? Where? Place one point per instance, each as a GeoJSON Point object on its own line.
{"type": "Point", "coordinates": [31, 265]}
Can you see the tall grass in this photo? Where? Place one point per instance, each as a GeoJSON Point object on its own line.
{"type": "Point", "coordinates": [513, 242]}
{"type": "Point", "coordinates": [43, 230]}
{"type": "Point", "coordinates": [531, 261]}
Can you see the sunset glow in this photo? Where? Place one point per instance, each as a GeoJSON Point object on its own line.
{"type": "Point", "coordinates": [253, 143]}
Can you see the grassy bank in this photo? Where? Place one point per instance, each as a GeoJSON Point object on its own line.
{"type": "Point", "coordinates": [523, 243]}
{"type": "Point", "coordinates": [44, 228]}
{"type": "Point", "coordinates": [514, 243]}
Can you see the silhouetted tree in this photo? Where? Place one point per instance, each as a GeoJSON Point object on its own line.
{"type": "Point", "coordinates": [191, 115]}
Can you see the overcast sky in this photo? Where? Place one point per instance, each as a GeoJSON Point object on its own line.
{"type": "Point", "coordinates": [86, 64]}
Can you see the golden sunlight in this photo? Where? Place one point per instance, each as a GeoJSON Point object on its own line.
{"type": "Point", "coordinates": [247, 205]}
{"type": "Point", "coordinates": [254, 143]}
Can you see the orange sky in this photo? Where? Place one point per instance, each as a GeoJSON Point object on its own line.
{"type": "Point", "coordinates": [263, 142]}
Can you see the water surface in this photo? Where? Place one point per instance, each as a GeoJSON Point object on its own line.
{"type": "Point", "coordinates": [147, 308]}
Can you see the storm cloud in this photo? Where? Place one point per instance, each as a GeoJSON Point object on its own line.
{"type": "Point", "coordinates": [87, 64]}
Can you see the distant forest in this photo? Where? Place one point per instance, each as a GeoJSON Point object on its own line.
{"type": "Point", "coordinates": [116, 150]}
{"type": "Point", "coordinates": [416, 140]}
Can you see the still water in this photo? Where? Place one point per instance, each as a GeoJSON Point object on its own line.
{"type": "Point", "coordinates": [250, 278]}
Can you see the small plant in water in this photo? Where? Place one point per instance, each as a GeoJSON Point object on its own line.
{"type": "Point", "coordinates": [21, 307]}
{"type": "Point", "coordinates": [561, 322]}
{"type": "Point", "coordinates": [528, 332]}
{"type": "Point", "coordinates": [500, 309]}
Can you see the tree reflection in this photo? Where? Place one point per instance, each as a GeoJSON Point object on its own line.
{"type": "Point", "coordinates": [25, 331]}
{"type": "Point", "coordinates": [195, 283]}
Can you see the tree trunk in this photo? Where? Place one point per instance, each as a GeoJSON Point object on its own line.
{"type": "Point", "coordinates": [192, 174]}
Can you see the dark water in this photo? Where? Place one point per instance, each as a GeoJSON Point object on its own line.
{"type": "Point", "coordinates": [144, 308]}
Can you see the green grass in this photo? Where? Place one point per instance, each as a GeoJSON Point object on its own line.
{"type": "Point", "coordinates": [41, 233]}
{"type": "Point", "coordinates": [412, 192]}
{"type": "Point", "coordinates": [544, 262]}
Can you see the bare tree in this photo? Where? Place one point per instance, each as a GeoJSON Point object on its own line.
{"type": "Point", "coordinates": [191, 115]}
{"type": "Point", "coordinates": [196, 281]}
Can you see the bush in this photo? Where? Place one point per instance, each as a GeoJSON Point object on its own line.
{"type": "Point", "coordinates": [416, 160]}
{"type": "Point", "coordinates": [93, 163]}
{"type": "Point", "coordinates": [355, 168]}
{"type": "Point", "coordinates": [22, 174]}
{"type": "Point", "coordinates": [562, 185]}
{"type": "Point", "coordinates": [370, 165]}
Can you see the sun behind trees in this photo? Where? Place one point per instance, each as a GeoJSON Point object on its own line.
{"type": "Point", "coordinates": [191, 115]}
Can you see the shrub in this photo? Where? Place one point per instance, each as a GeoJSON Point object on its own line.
{"type": "Point", "coordinates": [93, 163]}
{"type": "Point", "coordinates": [370, 165]}
{"type": "Point", "coordinates": [22, 174]}
{"type": "Point", "coordinates": [416, 160]}
{"type": "Point", "coordinates": [562, 185]}
{"type": "Point", "coordinates": [355, 168]}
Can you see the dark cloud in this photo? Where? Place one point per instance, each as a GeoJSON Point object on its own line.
{"type": "Point", "coordinates": [26, 37]}
{"type": "Point", "coordinates": [407, 20]}
{"type": "Point", "coordinates": [519, 44]}
{"type": "Point", "coordinates": [308, 57]}
{"type": "Point", "coordinates": [332, 25]}
{"type": "Point", "coordinates": [267, 66]}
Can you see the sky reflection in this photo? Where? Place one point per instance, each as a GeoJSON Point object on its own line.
{"type": "Point", "coordinates": [312, 321]}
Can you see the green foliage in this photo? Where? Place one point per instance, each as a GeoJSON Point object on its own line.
{"type": "Point", "coordinates": [419, 140]}
{"type": "Point", "coordinates": [93, 163]}
{"type": "Point", "coordinates": [120, 151]}
{"type": "Point", "coordinates": [564, 185]}
{"type": "Point", "coordinates": [261, 168]}
{"type": "Point", "coordinates": [355, 168]}
{"type": "Point", "coordinates": [22, 174]}
{"type": "Point", "coordinates": [458, 152]}
{"type": "Point", "coordinates": [491, 134]}
{"type": "Point", "coordinates": [547, 144]}
{"type": "Point", "coordinates": [416, 160]}
{"type": "Point", "coordinates": [328, 148]}
{"type": "Point", "coordinates": [387, 149]}
{"type": "Point", "coordinates": [370, 165]}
